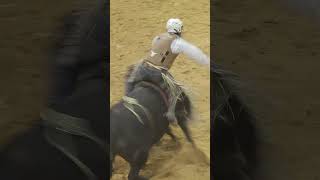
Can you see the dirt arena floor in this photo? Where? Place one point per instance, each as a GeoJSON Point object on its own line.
{"type": "Point", "coordinates": [133, 26]}
{"type": "Point", "coordinates": [273, 46]}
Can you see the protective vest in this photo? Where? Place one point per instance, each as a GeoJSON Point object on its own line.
{"type": "Point", "coordinates": [161, 54]}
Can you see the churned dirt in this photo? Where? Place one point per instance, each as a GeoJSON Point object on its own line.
{"type": "Point", "coordinates": [133, 26]}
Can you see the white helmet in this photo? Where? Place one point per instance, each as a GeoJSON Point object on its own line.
{"type": "Point", "coordinates": [174, 26]}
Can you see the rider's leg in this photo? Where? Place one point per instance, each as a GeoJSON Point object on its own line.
{"type": "Point", "coordinates": [173, 91]}
{"type": "Point", "coordinates": [143, 73]}
{"type": "Point", "coordinates": [171, 110]}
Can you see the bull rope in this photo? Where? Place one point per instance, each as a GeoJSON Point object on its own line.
{"type": "Point", "coordinates": [129, 103]}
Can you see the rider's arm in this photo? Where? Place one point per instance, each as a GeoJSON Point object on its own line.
{"type": "Point", "coordinates": [181, 46]}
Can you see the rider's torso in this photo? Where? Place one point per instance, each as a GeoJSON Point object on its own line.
{"type": "Point", "coordinates": [161, 54]}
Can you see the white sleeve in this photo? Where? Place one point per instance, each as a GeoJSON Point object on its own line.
{"type": "Point", "coordinates": [194, 53]}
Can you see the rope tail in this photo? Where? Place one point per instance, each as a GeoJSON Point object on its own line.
{"type": "Point", "coordinates": [129, 103]}
{"type": "Point", "coordinates": [174, 89]}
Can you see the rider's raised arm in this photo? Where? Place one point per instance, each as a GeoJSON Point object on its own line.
{"type": "Point", "coordinates": [181, 46]}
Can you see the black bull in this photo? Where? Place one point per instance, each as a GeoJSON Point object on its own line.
{"type": "Point", "coordinates": [234, 134]}
{"type": "Point", "coordinates": [133, 139]}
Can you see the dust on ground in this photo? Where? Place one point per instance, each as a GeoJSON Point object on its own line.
{"type": "Point", "coordinates": [133, 26]}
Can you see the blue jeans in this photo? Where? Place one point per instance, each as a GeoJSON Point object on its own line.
{"type": "Point", "coordinates": [143, 73]}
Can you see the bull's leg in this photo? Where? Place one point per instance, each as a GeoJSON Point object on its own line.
{"type": "Point", "coordinates": [182, 122]}
{"type": "Point", "coordinates": [136, 164]}
{"type": "Point", "coordinates": [170, 115]}
{"type": "Point", "coordinates": [183, 112]}
{"type": "Point", "coordinates": [173, 137]}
